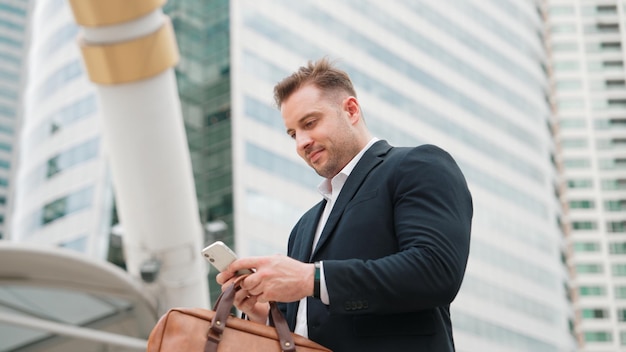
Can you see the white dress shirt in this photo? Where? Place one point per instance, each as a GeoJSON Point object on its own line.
{"type": "Point", "coordinates": [330, 189]}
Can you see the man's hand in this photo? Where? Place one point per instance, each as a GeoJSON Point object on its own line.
{"type": "Point", "coordinates": [277, 278]}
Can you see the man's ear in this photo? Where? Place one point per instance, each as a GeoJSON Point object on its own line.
{"type": "Point", "coordinates": [351, 106]}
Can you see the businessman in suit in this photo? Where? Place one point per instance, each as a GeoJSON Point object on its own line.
{"type": "Point", "coordinates": [375, 265]}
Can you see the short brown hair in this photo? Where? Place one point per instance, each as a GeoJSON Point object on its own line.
{"type": "Point", "coordinates": [322, 73]}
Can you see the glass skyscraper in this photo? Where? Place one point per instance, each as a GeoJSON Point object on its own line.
{"type": "Point", "coordinates": [204, 82]}
{"type": "Point", "coordinates": [14, 36]}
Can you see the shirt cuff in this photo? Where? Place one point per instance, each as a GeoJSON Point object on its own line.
{"type": "Point", "coordinates": [323, 290]}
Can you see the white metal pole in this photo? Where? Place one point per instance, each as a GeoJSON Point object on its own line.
{"type": "Point", "coordinates": [103, 337]}
{"type": "Point", "coordinates": [129, 51]}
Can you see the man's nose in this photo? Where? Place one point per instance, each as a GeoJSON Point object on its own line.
{"type": "Point", "coordinates": [303, 140]}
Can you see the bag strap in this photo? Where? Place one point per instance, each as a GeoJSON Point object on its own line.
{"type": "Point", "coordinates": [284, 334]}
{"type": "Point", "coordinates": [222, 307]}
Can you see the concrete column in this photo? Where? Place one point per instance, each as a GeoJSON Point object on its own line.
{"type": "Point", "coordinates": [129, 51]}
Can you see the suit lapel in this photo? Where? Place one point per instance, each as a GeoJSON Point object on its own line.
{"type": "Point", "coordinates": [306, 231]}
{"type": "Point", "coordinates": [369, 160]}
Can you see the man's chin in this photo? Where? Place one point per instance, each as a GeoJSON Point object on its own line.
{"type": "Point", "coordinates": [324, 172]}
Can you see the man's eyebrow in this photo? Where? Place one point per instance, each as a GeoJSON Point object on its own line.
{"type": "Point", "coordinates": [306, 116]}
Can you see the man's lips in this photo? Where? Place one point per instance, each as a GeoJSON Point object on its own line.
{"type": "Point", "coordinates": [314, 155]}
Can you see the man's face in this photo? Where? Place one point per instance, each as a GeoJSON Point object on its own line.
{"type": "Point", "coordinates": [323, 129]}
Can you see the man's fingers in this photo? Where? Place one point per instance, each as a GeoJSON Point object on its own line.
{"type": "Point", "coordinates": [261, 298]}
{"type": "Point", "coordinates": [224, 278]}
{"type": "Point", "coordinates": [251, 282]}
{"type": "Point", "coordinates": [244, 263]}
{"type": "Point", "coordinates": [240, 296]}
{"type": "Point", "coordinates": [245, 301]}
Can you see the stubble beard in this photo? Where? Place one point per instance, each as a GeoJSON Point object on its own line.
{"type": "Point", "coordinates": [327, 170]}
{"type": "Point", "coordinates": [338, 158]}
{"type": "Point", "coordinates": [339, 154]}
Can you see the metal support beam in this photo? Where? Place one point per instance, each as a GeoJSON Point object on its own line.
{"type": "Point", "coordinates": [103, 337]}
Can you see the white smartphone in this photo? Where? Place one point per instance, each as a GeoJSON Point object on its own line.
{"type": "Point", "coordinates": [220, 256]}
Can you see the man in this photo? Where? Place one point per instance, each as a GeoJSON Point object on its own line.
{"type": "Point", "coordinates": [375, 265]}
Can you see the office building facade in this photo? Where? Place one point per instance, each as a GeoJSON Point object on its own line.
{"type": "Point", "coordinates": [64, 195]}
{"type": "Point", "coordinates": [469, 76]}
{"type": "Point", "coordinates": [586, 44]}
{"type": "Point", "coordinates": [14, 36]}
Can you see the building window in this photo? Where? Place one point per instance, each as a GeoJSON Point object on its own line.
{"type": "Point", "coordinates": [594, 313]}
{"type": "Point", "coordinates": [79, 244]}
{"type": "Point", "coordinates": [563, 28]}
{"type": "Point", "coordinates": [565, 46]}
{"type": "Point", "coordinates": [59, 208]}
{"type": "Point", "coordinates": [6, 130]}
{"type": "Point", "coordinates": [611, 46]}
{"type": "Point", "coordinates": [581, 204]}
{"type": "Point", "coordinates": [597, 336]}
{"type": "Point", "coordinates": [572, 123]}
{"type": "Point", "coordinates": [602, 28]}
{"type": "Point", "coordinates": [610, 185]}
{"type": "Point", "coordinates": [620, 292]}
{"type": "Point", "coordinates": [589, 268]}
{"type": "Point", "coordinates": [610, 124]}
{"type": "Point", "coordinates": [569, 84]}
{"type": "Point", "coordinates": [580, 183]}
{"type": "Point", "coordinates": [613, 164]}
{"type": "Point", "coordinates": [616, 226]}
{"type": "Point", "coordinates": [59, 78]}
{"type": "Point", "coordinates": [592, 290]}
{"type": "Point", "coordinates": [584, 225]}
{"type": "Point", "coordinates": [561, 10]}
{"type": "Point", "coordinates": [586, 247]}
{"type": "Point", "coordinates": [570, 104]}
{"type": "Point", "coordinates": [617, 122]}
{"type": "Point", "coordinates": [574, 143]}
{"type": "Point", "coordinates": [561, 66]}
{"type": "Point", "coordinates": [615, 205]}
{"type": "Point", "coordinates": [72, 156]}
{"type": "Point", "coordinates": [609, 65]}
{"type": "Point", "coordinates": [622, 338]}
{"type": "Point", "coordinates": [577, 163]}
{"type": "Point", "coordinates": [613, 64]}
{"type": "Point", "coordinates": [614, 83]}
{"type": "Point", "coordinates": [617, 248]}
{"type": "Point", "coordinates": [617, 103]}
{"type": "Point", "coordinates": [606, 9]}
{"type": "Point", "coordinates": [618, 269]}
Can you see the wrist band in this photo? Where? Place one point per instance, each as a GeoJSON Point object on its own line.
{"type": "Point", "coordinates": [316, 280]}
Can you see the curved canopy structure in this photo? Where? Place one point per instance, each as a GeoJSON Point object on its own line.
{"type": "Point", "coordinates": [53, 299]}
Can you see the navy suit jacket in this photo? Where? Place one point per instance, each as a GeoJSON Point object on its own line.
{"type": "Point", "coordinates": [395, 248]}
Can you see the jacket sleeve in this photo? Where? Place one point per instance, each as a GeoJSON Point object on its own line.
{"type": "Point", "coordinates": [431, 221]}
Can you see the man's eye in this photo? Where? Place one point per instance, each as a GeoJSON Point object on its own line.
{"type": "Point", "coordinates": [292, 135]}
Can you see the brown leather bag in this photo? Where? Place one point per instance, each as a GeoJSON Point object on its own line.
{"type": "Point", "coordinates": [197, 329]}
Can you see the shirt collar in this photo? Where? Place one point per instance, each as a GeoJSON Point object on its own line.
{"type": "Point", "coordinates": [327, 185]}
